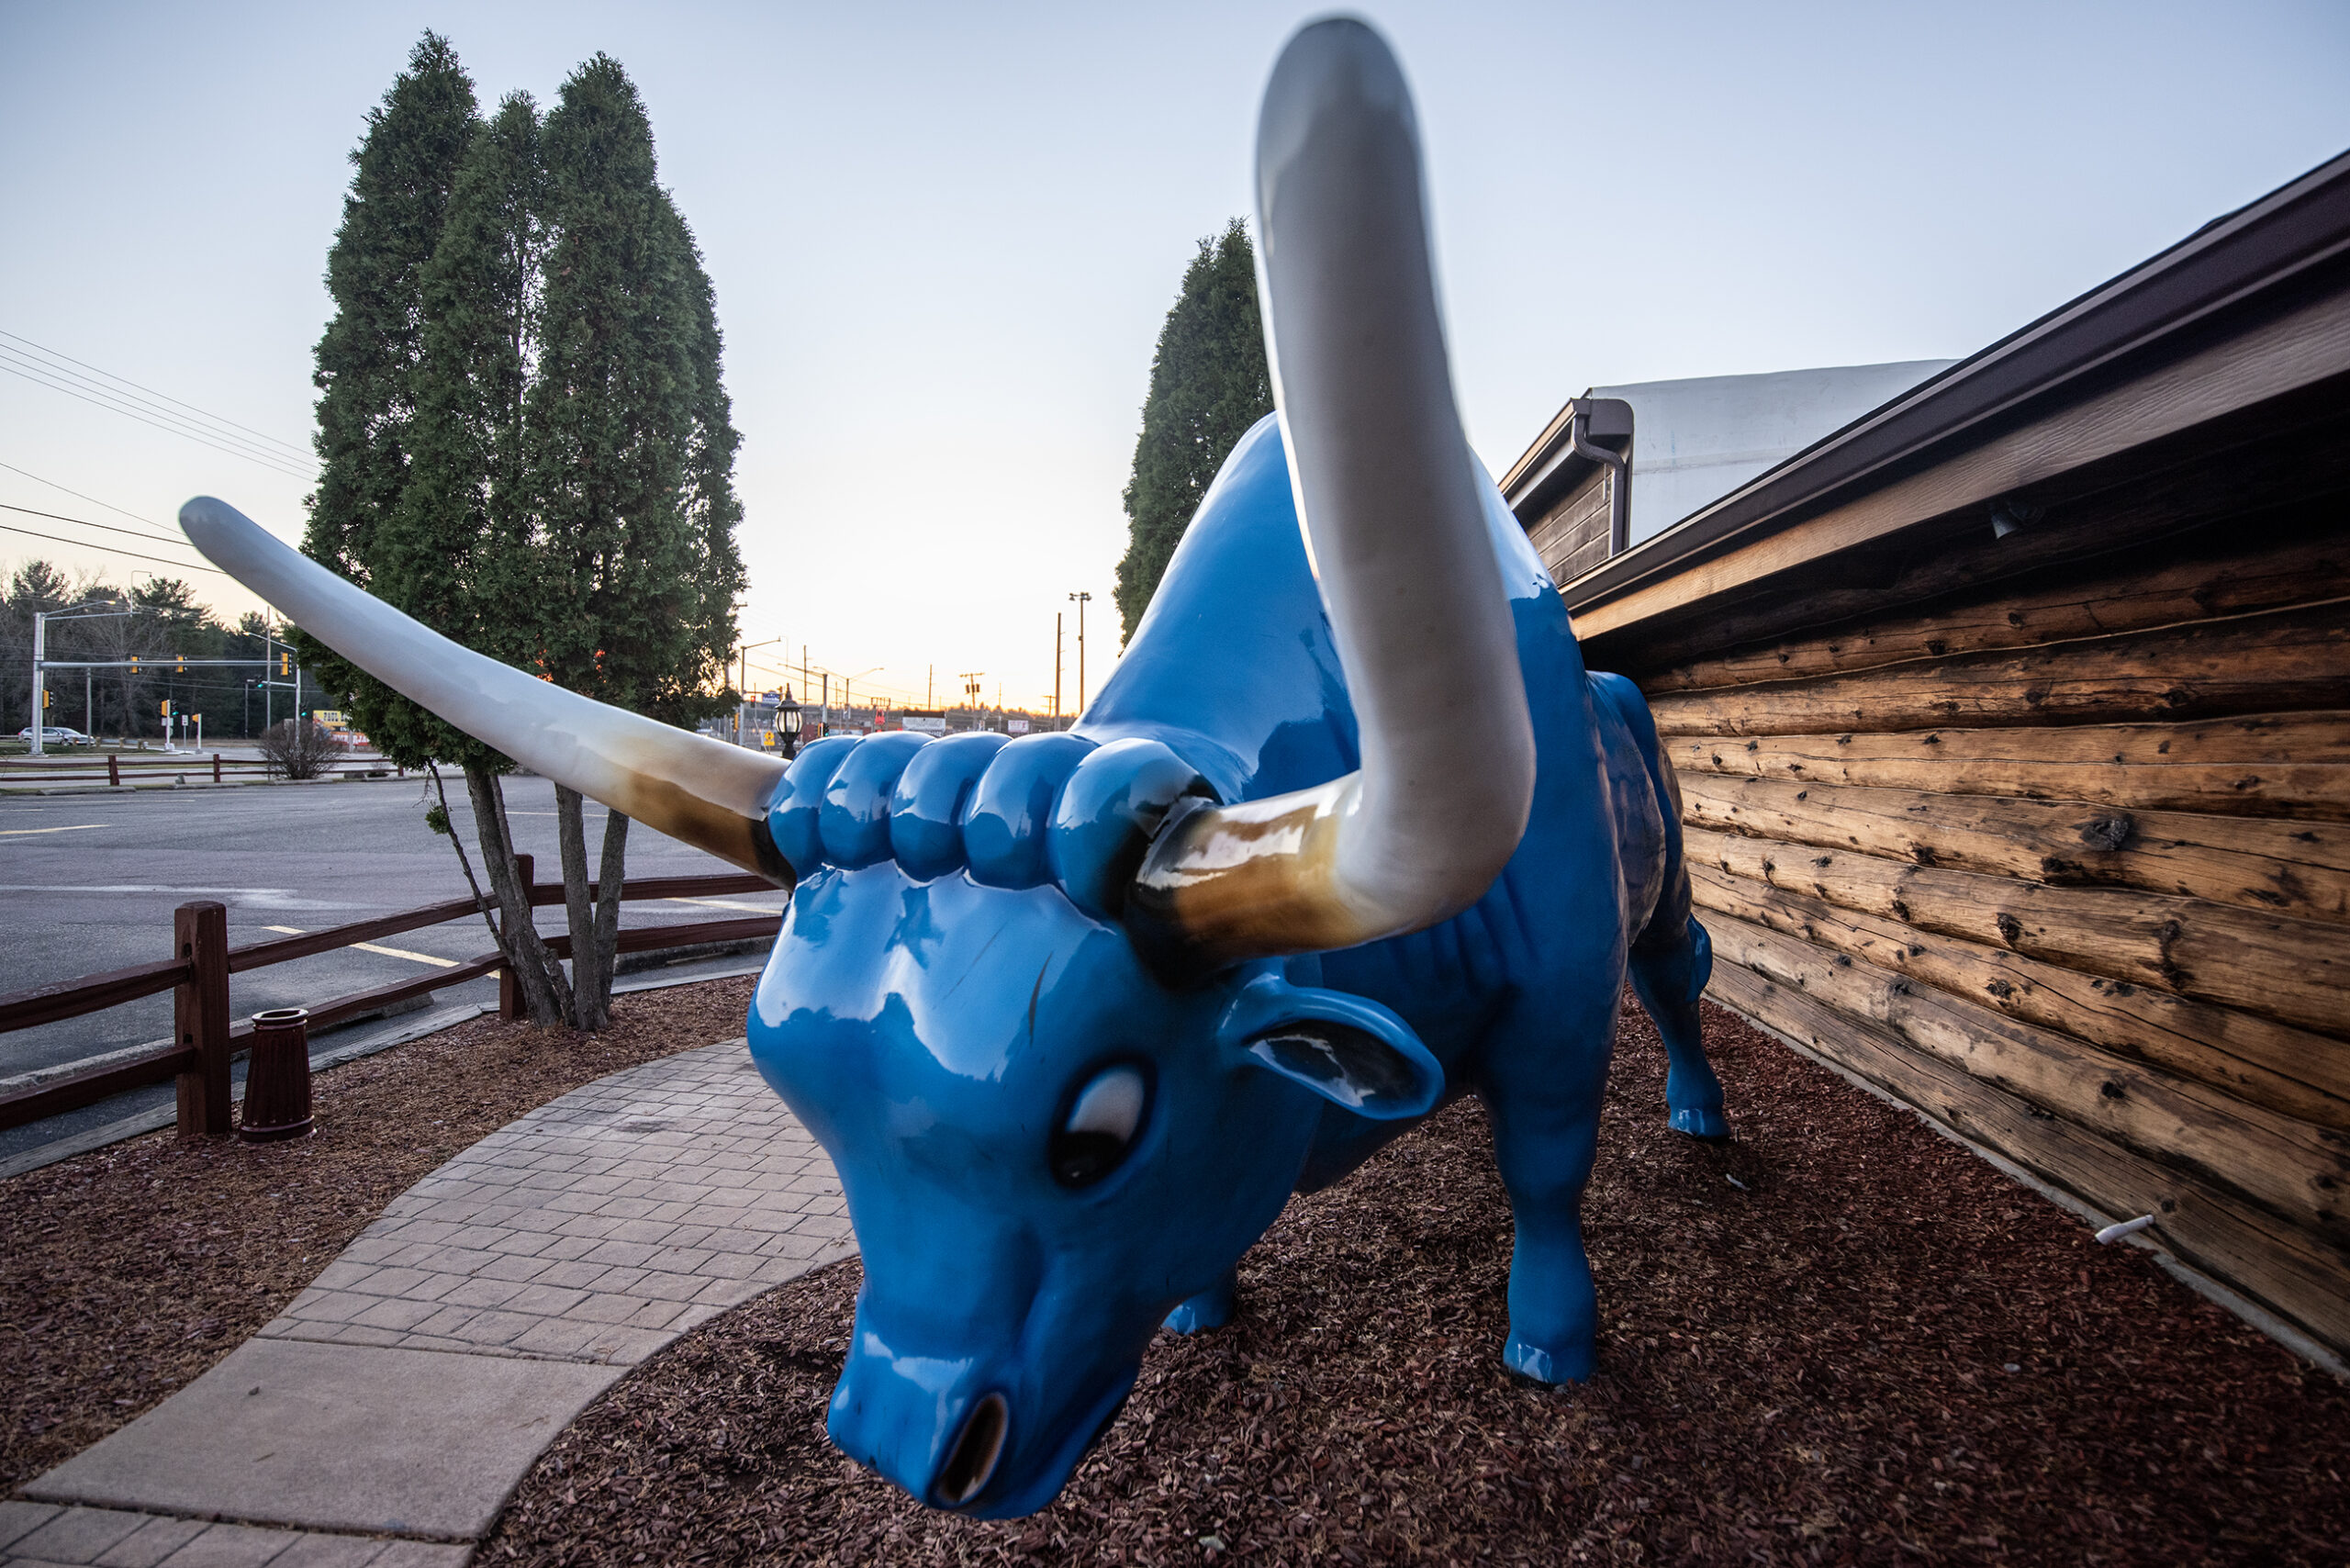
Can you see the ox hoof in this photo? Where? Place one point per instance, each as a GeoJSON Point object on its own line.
{"type": "Point", "coordinates": [1701, 1124]}
{"type": "Point", "coordinates": [1572, 1364]}
{"type": "Point", "coordinates": [1209, 1309]}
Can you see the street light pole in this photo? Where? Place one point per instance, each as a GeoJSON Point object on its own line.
{"type": "Point", "coordinates": [1081, 601]}
{"type": "Point", "coordinates": [1056, 664]}
{"type": "Point", "coordinates": [743, 681]}
{"type": "Point", "coordinates": [86, 610]}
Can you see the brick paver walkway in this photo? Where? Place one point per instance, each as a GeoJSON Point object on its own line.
{"type": "Point", "coordinates": [594, 1230]}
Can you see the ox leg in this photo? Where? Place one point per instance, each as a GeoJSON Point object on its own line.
{"type": "Point", "coordinates": [1545, 1115]}
{"type": "Point", "coordinates": [1670, 978]}
{"type": "Point", "coordinates": [1211, 1308]}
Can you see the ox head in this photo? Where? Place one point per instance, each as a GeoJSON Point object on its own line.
{"type": "Point", "coordinates": [1032, 996]}
{"type": "Point", "coordinates": [1047, 1140]}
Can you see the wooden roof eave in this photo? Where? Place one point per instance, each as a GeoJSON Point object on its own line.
{"type": "Point", "coordinates": [2253, 306]}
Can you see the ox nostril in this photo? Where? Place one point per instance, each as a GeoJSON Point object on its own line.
{"type": "Point", "coordinates": [971, 1463]}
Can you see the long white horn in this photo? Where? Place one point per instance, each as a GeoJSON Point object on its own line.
{"type": "Point", "coordinates": [703, 791]}
{"type": "Point", "coordinates": [1393, 507]}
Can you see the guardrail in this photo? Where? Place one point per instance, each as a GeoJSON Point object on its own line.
{"type": "Point", "coordinates": [84, 769]}
{"type": "Point", "coordinates": [204, 1042]}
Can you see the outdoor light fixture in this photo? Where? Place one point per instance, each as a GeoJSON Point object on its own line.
{"type": "Point", "coordinates": [787, 717]}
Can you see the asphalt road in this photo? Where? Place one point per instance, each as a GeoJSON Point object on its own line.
{"type": "Point", "coordinates": [88, 883]}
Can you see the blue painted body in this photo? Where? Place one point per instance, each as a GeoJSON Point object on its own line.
{"type": "Point", "coordinates": [956, 969]}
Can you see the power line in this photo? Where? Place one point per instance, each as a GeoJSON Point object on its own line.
{"type": "Point", "coordinates": [265, 460]}
{"type": "Point", "coordinates": [108, 549]}
{"type": "Point", "coordinates": [163, 420]}
{"type": "Point", "coordinates": [166, 396]}
{"type": "Point", "coordinates": [93, 500]}
{"type": "Point", "coordinates": [128, 402]}
{"type": "Point", "coordinates": [84, 523]}
{"type": "Point", "coordinates": [107, 397]}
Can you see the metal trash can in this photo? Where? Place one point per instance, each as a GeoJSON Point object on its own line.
{"type": "Point", "coordinates": [277, 1077]}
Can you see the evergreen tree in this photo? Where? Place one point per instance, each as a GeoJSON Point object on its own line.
{"type": "Point", "coordinates": [406, 169]}
{"type": "Point", "coordinates": [527, 443]}
{"type": "Point", "coordinates": [457, 551]}
{"type": "Point", "coordinates": [1209, 381]}
{"type": "Point", "coordinates": [629, 450]}
{"type": "Point", "coordinates": [398, 440]}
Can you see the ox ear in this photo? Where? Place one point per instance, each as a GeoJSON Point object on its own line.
{"type": "Point", "coordinates": [1353, 1052]}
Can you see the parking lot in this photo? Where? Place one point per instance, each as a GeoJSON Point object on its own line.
{"type": "Point", "coordinates": [89, 883]}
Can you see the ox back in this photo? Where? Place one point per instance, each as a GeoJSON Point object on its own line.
{"type": "Point", "coordinates": [1234, 668]}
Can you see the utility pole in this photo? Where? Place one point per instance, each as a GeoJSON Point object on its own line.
{"type": "Point", "coordinates": [929, 682]}
{"type": "Point", "coordinates": [41, 630]}
{"type": "Point", "coordinates": [1080, 601]}
{"type": "Point", "coordinates": [1056, 664]}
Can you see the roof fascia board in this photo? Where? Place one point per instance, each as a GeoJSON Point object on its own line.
{"type": "Point", "coordinates": [2263, 245]}
{"type": "Point", "coordinates": [2290, 352]}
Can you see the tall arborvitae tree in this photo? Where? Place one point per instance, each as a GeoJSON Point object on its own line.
{"type": "Point", "coordinates": [457, 551]}
{"type": "Point", "coordinates": [402, 432]}
{"type": "Point", "coordinates": [528, 442]}
{"type": "Point", "coordinates": [629, 457]}
{"type": "Point", "coordinates": [1209, 381]}
{"type": "Point", "coordinates": [407, 169]}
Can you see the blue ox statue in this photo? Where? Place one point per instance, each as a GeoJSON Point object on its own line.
{"type": "Point", "coordinates": [1075, 1013]}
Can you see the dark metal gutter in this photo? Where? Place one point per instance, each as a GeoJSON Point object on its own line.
{"type": "Point", "coordinates": [2252, 250]}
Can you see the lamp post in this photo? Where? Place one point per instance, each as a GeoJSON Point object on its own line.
{"type": "Point", "coordinates": [786, 718]}
{"type": "Point", "coordinates": [1080, 601]}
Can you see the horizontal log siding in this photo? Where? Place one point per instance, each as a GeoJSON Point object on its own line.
{"type": "Point", "coordinates": [2067, 865]}
{"type": "Point", "coordinates": [2280, 764]}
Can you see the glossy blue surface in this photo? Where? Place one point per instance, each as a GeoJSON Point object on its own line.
{"type": "Point", "coordinates": [952, 973]}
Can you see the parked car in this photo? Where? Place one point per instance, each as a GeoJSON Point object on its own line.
{"type": "Point", "coordinates": [55, 734]}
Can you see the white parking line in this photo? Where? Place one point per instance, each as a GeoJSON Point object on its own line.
{"type": "Point", "coordinates": [26, 831]}
{"type": "Point", "coordinates": [372, 948]}
{"type": "Point", "coordinates": [727, 904]}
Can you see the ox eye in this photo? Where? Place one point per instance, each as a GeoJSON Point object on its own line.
{"type": "Point", "coordinates": [1099, 1127]}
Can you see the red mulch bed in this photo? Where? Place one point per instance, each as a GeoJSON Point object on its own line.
{"type": "Point", "coordinates": [1870, 1347]}
{"type": "Point", "coordinates": [127, 1272]}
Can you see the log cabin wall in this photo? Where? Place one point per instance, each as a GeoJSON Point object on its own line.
{"type": "Point", "coordinates": [2020, 785]}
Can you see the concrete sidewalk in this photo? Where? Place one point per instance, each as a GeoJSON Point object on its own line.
{"type": "Point", "coordinates": [385, 1417]}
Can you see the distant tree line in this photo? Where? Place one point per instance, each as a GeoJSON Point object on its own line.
{"type": "Point", "coordinates": [526, 443]}
{"type": "Point", "coordinates": [164, 619]}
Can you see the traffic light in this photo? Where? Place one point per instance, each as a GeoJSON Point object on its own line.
{"type": "Point", "coordinates": [134, 664]}
{"type": "Point", "coordinates": [165, 708]}
{"type": "Point", "coordinates": [286, 664]}
{"type": "Point", "coordinates": [182, 668]}
{"type": "Point", "coordinates": [48, 699]}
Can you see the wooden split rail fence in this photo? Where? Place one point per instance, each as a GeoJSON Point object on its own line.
{"type": "Point", "coordinates": [205, 1041]}
{"type": "Point", "coordinates": [153, 768]}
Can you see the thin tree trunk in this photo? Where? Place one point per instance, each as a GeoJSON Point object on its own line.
{"type": "Point", "coordinates": [607, 912]}
{"type": "Point", "coordinates": [595, 919]}
{"type": "Point", "coordinates": [571, 832]}
{"type": "Point", "coordinates": [533, 968]}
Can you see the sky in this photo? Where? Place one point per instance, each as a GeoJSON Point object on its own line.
{"type": "Point", "coordinates": [943, 238]}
